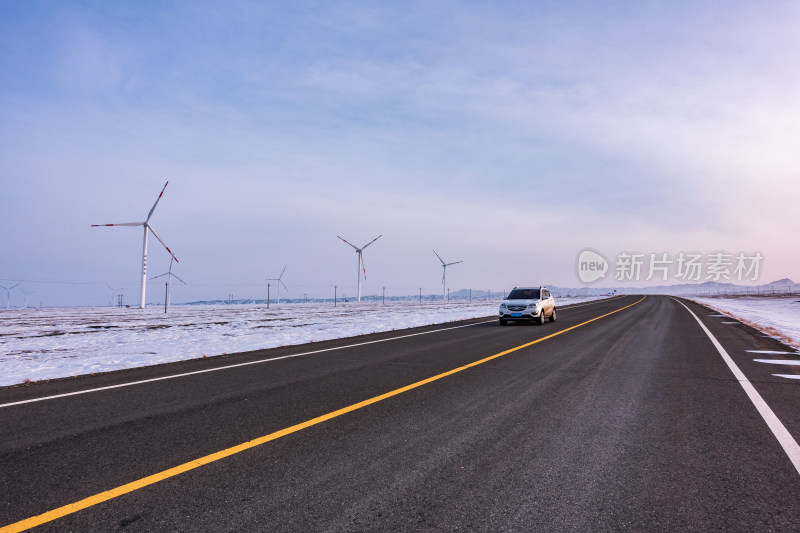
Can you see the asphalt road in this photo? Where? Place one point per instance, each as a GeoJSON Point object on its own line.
{"type": "Point", "coordinates": [630, 422]}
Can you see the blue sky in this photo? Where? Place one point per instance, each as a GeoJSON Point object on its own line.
{"type": "Point", "coordinates": [510, 136]}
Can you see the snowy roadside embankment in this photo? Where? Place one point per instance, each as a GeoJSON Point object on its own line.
{"type": "Point", "coordinates": [38, 344]}
{"type": "Point", "coordinates": [777, 316]}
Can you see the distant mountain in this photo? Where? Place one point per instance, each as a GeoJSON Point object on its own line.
{"type": "Point", "coordinates": [781, 286]}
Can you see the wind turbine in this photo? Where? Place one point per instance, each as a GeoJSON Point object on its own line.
{"type": "Point", "coordinates": [27, 293]}
{"type": "Point", "coordinates": [280, 282]}
{"type": "Point", "coordinates": [444, 274]}
{"type": "Point", "coordinates": [8, 294]}
{"type": "Point", "coordinates": [113, 293]}
{"type": "Point", "coordinates": [361, 266]}
{"type": "Point", "coordinates": [169, 275]}
{"type": "Point", "coordinates": [147, 226]}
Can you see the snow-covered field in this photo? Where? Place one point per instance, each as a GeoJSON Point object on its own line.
{"type": "Point", "coordinates": [777, 316]}
{"type": "Point", "coordinates": [38, 344]}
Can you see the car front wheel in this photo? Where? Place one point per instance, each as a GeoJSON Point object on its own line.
{"type": "Point", "coordinates": [503, 322]}
{"type": "Point", "coordinates": [542, 318]}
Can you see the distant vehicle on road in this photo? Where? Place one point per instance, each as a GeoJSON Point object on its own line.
{"type": "Point", "coordinates": [528, 303]}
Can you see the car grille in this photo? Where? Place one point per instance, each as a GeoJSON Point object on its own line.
{"type": "Point", "coordinates": [517, 307]}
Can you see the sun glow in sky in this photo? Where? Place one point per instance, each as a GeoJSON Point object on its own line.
{"type": "Point", "coordinates": [509, 136]}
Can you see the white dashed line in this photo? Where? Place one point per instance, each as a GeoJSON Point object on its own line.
{"type": "Point", "coordinates": [772, 352]}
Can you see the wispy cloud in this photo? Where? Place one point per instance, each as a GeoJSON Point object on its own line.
{"type": "Point", "coordinates": [612, 125]}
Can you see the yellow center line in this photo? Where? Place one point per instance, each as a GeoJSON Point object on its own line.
{"type": "Point", "coordinates": [49, 516]}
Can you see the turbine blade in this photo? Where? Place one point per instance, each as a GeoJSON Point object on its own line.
{"type": "Point", "coordinates": [363, 265]}
{"type": "Point", "coordinates": [440, 259]}
{"type": "Point", "coordinates": [160, 275]}
{"type": "Point", "coordinates": [373, 240]}
{"type": "Point", "coordinates": [349, 243]}
{"type": "Point", "coordinates": [179, 279]}
{"type": "Point", "coordinates": [162, 242]}
{"type": "Point", "coordinates": [454, 263]}
{"type": "Point", "coordinates": [155, 204]}
{"type": "Point", "coordinates": [284, 285]}
{"type": "Point", "coordinates": [121, 224]}
{"type": "Point", "coordinates": [282, 271]}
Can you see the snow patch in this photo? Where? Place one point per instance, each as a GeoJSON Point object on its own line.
{"type": "Point", "coordinates": [777, 317]}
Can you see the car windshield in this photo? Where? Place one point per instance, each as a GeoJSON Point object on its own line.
{"type": "Point", "coordinates": [524, 294]}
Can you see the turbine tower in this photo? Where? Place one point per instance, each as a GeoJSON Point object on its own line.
{"type": "Point", "coordinates": [280, 282]}
{"type": "Point", "coordinates": [146, 225]}
{"type": "Point", "coordinates": [444, 274]}
{"type": "Point", "coordinates": [361, 266]}
{"type": "Point", "coordinates": [169, 275]}
{"type": "Point", "coordinates": [8, 294]}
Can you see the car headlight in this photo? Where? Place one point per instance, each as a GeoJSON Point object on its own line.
{"type": "Point", "coordinates": [502, 306]}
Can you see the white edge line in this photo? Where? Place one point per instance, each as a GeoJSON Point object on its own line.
{"type": "Point", "coordinates": [596, 301]}
{"type": "Point", "coordinates": [226, 367]}
{"type": "Point", "coordinates": [787, 376]}
{"type": "Point", "coordinates": [785, 438]}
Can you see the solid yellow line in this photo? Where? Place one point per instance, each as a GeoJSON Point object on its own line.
{"type": "Point", "coordinates": [160, 476]}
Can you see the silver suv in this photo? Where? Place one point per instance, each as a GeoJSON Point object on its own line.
{"type": "Point", "coordinates": [528, 303]}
